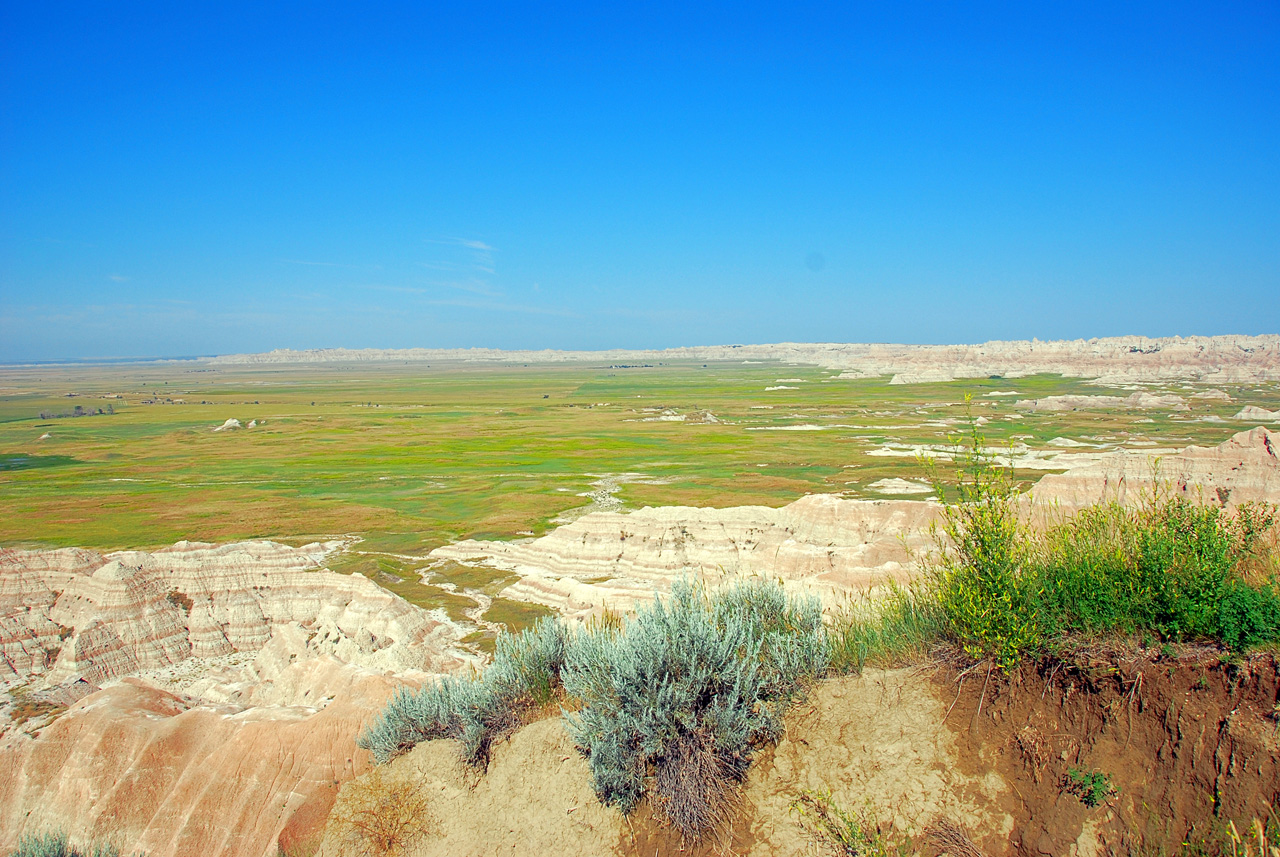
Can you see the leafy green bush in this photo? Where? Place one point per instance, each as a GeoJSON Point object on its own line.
{"type": "Point", "coordinates": [684, 690]}
{"type": "Point", "coordinates": [524, 675]}
{"type": "Point", "coordinates": [57, 844]}
{"type": "Point", "coordinates": [1004, 590]}
{"type": "Point", "coordinates": [977, 578]}
{"type": "Point", "coordinates": [1169, 566]}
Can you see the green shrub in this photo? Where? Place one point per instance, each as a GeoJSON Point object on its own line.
{"type": "Point", "coordinates": [1169, 566]}
{"type": "Point", "coordinates": [524, 675]}
{"type": "Point", "coordinates": [1249, 617]}
{"type": "Point", "coordinates": [56, 844]}
{"type": "Point", "coordinates": [977, 579]}
{"type": "Point", "coordinates": [680, 694]}
{"type": "Point", "coordinates": [1004, 590]}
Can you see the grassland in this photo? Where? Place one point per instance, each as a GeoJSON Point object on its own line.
{"type": "Point", "coordinates": [410, 457]}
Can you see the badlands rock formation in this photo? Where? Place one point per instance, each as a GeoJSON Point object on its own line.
{"type": "Point", "coordinates": [215, 692]}
{"type": "Point", "coordinates": [1222, 359]}
{"type": "Point", "coordinates": [823, 543]}
{"type": "Point", "coordinates": [1255, 414]}
{"type": "Point", "coordinates": [1137, 401]}
{"type": "Point", "coordinates": [1245, 468]}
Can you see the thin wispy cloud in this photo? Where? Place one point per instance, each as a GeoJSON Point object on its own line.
{"type": "Point", "coordinates": [324, 264]}
{"type": "Point", "coordinates": [474, 257]}
{"type": "Point", "coordinates": [469, 243]}
{"type": "Point", "coordinates": [456, 268]}
{"type": "Point", "coordinates": [118, 278]}
{"type": "Point", "coordinates": [408, 290]}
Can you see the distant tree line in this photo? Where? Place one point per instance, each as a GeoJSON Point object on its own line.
{"type": "Point", "coordinates": [78, 412]}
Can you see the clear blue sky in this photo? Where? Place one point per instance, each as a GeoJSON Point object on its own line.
{"type": "Point", "coordinates": [192, 178]}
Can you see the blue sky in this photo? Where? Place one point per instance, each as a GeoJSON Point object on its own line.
{"type": "Point", "coordinates": [189, 178]}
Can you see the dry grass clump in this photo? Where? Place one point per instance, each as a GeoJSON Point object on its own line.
{"type": "Point", "coordinates": [379, 817]}
{"type": "Point", "coordinates": [1034, 749]}
{"type": "Point", "coordinates": [949, 839]}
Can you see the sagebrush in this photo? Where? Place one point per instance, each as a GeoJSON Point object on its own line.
{"type": "Point", "coordinates": [674, 702]}
{"type": "Point", "coordinates": [524, 676]}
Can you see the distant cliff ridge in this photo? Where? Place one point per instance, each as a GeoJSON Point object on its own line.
{"type": "Point", "coordinates": [1132, 358]}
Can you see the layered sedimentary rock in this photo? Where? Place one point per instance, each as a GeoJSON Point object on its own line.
{"type": "Point", "coordinates": [213, 693]}
{"type": "Point", "coordinates": [1137, 401]}
{"type": "Point", "coordinates": [821, 542]}
{"type": "Point", "coordinates": [1223, 359]}
{"type": "Point", "coordinates": [1243, 469]}
{"type": "Point", "coordinates": [78, 614]}
{"type": "Point", "coordinates": [160, 773]}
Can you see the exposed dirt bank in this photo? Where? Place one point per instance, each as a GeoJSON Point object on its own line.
{"type": "Point", "coordinates": [1188, 742]}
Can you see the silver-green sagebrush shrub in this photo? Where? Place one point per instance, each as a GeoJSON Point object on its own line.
{"type": "Point", "coordinates": [57, 844]}
{"type": "Point", "coordinates": [678, 697]}
{"type": "Point", "coordinates": [524, 675]}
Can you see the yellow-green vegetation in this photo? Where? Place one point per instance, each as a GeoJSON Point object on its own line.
{"type": "Point", "coordinates": [414, 456]}
{"type": "Point", "coordinates": [843, 832]}
{"type": "Point", "coordinates": [1004, 590]}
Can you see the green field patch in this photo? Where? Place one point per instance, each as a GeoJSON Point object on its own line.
{"type": "Point", "coordinates": [490, 581]}
{"type": "Point", "coordinates": [516, 615]}
{"type": "Point", "coordinates": [35, 462]}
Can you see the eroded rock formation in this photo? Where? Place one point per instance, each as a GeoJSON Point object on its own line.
{"type": "Point", "coordinates": [213, 693]}
{"type": "Point", "coordinates": [1244, 468]}
{"type": "Point", "coordinates": [821, 542]}
{"type": "Point", "coordinates": [1220, 359]}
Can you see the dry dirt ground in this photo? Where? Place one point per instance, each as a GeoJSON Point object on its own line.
{"type": "Point", "coordinates": [1187, 740]}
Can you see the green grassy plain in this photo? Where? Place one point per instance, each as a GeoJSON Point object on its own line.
{"type": "Point", "coordinates": [410, 457]}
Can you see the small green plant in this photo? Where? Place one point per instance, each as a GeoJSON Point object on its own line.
{"type": "Point", "coordinates": [57, 844]}
{"type": "Point", "coordinates": [839, 831]}
{"type": "Point", "coordinates": [1092, 787]}
{"type": "Point", "coordinates": [1260, 839]}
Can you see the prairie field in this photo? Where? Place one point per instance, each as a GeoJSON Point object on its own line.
{"type": "Point", "coordinates": [410, 457]}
